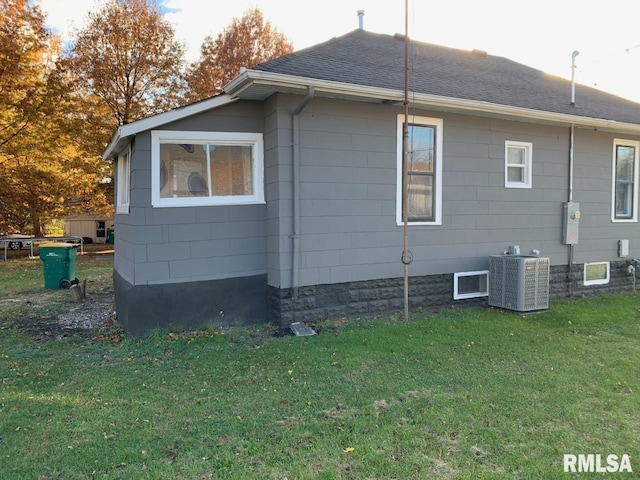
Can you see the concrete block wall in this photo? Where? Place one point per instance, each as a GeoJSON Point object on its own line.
{"type": "Point", "coordinates": [432, 292]}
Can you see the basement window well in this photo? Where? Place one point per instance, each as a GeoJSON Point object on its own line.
{"type": "Point", "coordinates": [470, 284]}
{"type": "Point", "coordinates": [596, 273]}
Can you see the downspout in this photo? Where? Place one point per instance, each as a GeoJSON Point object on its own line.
{"type": "Point", "coordinates": [295, 126]}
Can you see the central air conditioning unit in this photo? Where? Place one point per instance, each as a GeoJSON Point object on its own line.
{"type": "Point", "coordinates": [519, 283]}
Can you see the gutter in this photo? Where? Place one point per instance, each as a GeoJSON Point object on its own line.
{"type": "Point", "coordinates": [295, 127]}
{"type": "Point", "coordinates": [245, 80]}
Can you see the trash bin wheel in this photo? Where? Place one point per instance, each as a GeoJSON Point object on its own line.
{"type": "Point", "coordinates": [64, 283]}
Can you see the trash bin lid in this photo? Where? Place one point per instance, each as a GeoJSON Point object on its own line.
{"type": "Point", "coordinates": [57, 245]}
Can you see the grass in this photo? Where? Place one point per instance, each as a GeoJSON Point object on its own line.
{"type": "Point", "coordinates": [465, 394]}
{"type": "Point", "coordinates": [22, 292]}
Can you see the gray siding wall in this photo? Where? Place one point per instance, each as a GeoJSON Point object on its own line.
{"type": "Point", "coordinates": [173, 245]}
{"type": "Point", "coordinates": [278, 188]}
{"type": "Point", "coordinates": [348, 195]}
{"type": "Point", "coordinates": [592, 188]}
{"type": "Point", "coordinates": [348, 200]}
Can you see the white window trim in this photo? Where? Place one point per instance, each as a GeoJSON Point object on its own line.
{"type": "Point", "coordinates": [461, 296]}
{"type": "Point", "coordinates": [123, 192]}
{"type": "Point", "coordinates": [253, 140]}
{"type": "Point", "coordinates": [632, 143]}
{"type": "Point", "coordinates": [599, 281]}
{"type": "Point", "coordinates": [527, 183]}
{"type": "Point", "coordinates": [437, 207]}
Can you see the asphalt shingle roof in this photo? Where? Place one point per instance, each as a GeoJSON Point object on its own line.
{"type": "Point", "coordinates": [377, 60]}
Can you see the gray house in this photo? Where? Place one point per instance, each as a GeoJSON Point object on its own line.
{"type": "Point", "coordinates": [280, 199]}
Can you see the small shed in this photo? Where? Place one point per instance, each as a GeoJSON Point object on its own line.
{"type": "Point", "coordinates": [88, 225]}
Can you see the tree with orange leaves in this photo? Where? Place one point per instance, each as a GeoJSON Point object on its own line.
{"type": "Point", "coordinates": [46, 171]}
{"type": "Point", "coordinates": [246, 42]}
{"type": "Point", "coordinates": [127, 55]}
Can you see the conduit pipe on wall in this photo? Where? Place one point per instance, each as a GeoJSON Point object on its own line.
{"type": "Point", "coordinates": [572, 131]}
{"type": "Point", "coordinates": [571, 140]}
{"type": "Point", "coordinates": [295, 127]}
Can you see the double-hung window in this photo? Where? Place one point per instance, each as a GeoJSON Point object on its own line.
{"type": "Point", "coordinates": [518, 160]}
{"type": "Point", "coordinates": [123, 168]}
{"type": "Point", "coordinates": [206, 168]}
{"type": "Point", "coordinates": [424, 171]}
{"type": "Point", "coordinates": [625, 181]}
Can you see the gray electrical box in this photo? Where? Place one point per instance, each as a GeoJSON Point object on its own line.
{"type": "Point", "coordinates": [570, 224]}
{"type": "Point", "coordinates": [623, 248]}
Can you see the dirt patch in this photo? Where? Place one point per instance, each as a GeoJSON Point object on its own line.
{"type": "Point", "coordinates": [93, 317]}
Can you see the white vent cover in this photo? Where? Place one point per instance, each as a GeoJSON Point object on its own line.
{"type": "Point", "coordinates": [519, 283]}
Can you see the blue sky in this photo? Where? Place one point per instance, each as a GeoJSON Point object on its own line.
{"type": "Point", "coordinates": [541, 34]}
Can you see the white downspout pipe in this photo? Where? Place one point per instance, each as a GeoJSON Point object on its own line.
{"type": "Point", "coordinates": [295, 127]}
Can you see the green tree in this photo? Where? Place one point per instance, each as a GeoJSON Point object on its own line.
{"type": "Point", "coordinates": [128, 57]}
{"type": "Point", "coordinates": [246, 42]}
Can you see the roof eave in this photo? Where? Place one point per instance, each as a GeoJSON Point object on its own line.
{"type": "Point", "coordinates": [241, 84]}
{"type": "Point", "coordinates": [123, 133]}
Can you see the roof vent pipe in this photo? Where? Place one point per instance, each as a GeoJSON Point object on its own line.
{"type": "Point", "coordinates": [573, 77]}
{"type": "Point", "coordinates": [361, 19]}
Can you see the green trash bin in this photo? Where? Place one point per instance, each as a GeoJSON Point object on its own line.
{"type": "Point", "coordinates": [111, 234]}
{"type": "Point", "coordinates": [58, 263]}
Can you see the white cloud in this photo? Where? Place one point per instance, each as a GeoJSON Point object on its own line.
{"type": "Point", "coordinates": [542, 35]}
{"type": "Point", "coordinates": [63, 16]}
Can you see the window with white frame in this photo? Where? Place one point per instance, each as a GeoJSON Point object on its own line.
{"type": "Point", "coordinates": [624, 204]}
{"type": "Point", "coordinates": [424, 166]}
{"type": "Point", "coordinates": [470, 284]}
{"type": "Point", "coordinates": [206, 168]}
{"type": "Point", "coordinates": [124, 181]}
{"type": "Point", "coordinates": [518, 164]}
{"type": "Point", "coordinates": [596, 273]}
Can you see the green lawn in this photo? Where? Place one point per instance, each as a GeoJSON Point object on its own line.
{"type": "Point", "coordinates": [22, 292]}
{"type": "Point", "coordinates": [476, 393]}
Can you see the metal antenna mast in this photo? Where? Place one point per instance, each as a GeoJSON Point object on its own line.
{"type": "Point", "coordinates": [405, 167]}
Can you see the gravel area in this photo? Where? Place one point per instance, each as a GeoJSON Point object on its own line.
{"type": "Point", "coordinates": [93, 313]}
{"type": "Point", "coordinates": [94, 316]}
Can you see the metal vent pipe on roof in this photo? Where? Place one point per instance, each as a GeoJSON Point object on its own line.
{"type": "Point", "coordinates": [361, 19]}
{"type": "Point", "coordinates": [573, 77]}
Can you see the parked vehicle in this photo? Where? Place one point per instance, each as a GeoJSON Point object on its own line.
{"type": "Point", "coordinates": [17, 241]}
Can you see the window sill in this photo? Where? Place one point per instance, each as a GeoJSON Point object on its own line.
{"type": "Point", "coordinates": [226, 203]}
{"type": "Point", "coordinates": [433, 223]}
{"type": "Point", "coordinates": [624, 220]}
